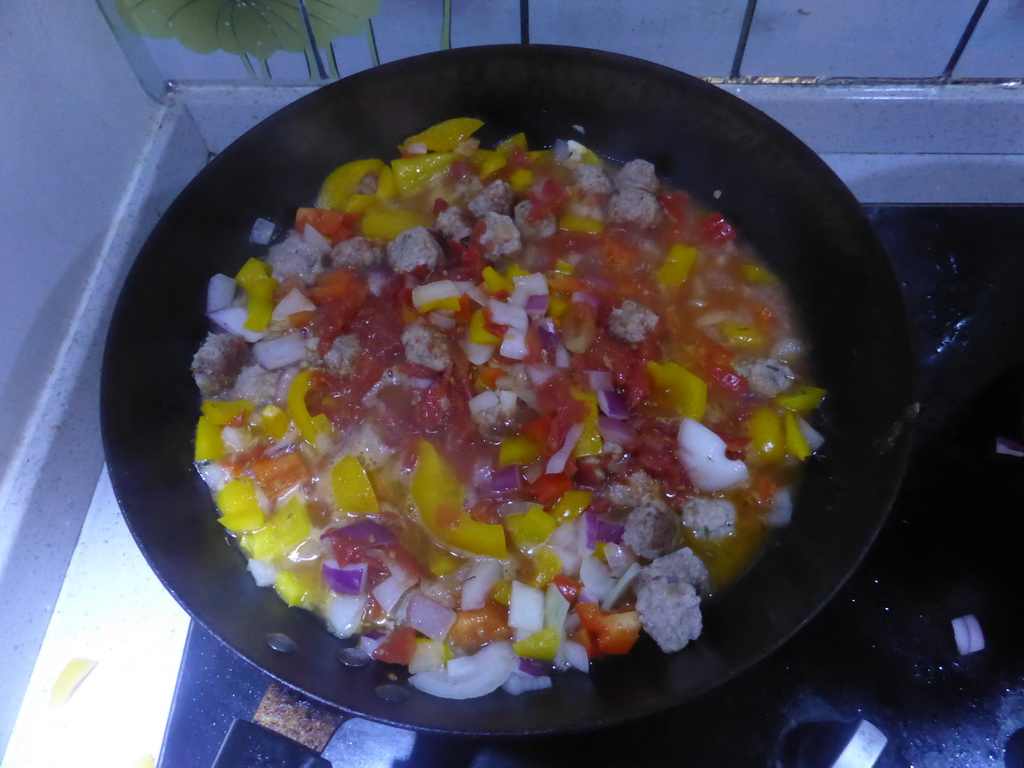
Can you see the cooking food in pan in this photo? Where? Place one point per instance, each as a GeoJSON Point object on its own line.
{"type": "Point", "coordinates": [500, 411]}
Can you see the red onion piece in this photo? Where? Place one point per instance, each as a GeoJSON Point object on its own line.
{"type": "Point", "coordinates": [350, 580]}
{"type": "Point", "coordinates": [600, 380]}
{"type": "Point", "coordinates": [599, 529]}
{"type": "Point", "coordinates": [502, 481]}
{"type": "Point", "coordinates": [1009, 447]}
{"type": "Point", "coordinates": [219, 293]}
{"type": "Point", "coordinates": [429, 617]}
{"type": "Point", "coordinates": [613, 430]}
{"type": "Point", "coordinates": [586, 298]}
{"type": "Point", "coordinates": [537, 305]}
{"type": "Point", "coordinates": [281, 352]}
{"type": "Point", "coordinates": [365, 532]}
{"type": "Point", "coordinates": [556, 464]}
{"type": "Point", "coordinates": [533, 668]}
{"type": "Point", "coordinates": [612, 404]}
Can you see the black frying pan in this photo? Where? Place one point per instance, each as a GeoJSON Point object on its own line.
{"type": "Point", "coordinates": [778, 193]}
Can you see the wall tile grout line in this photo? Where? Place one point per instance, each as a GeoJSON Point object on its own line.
{"type": "Point", "coordinates": [741, 43]}
{"type": "Point", "coordinates": [965, 38]}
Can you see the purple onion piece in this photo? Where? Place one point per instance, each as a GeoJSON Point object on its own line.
{"type": "Point", "coordinates": [504, 480]}
{"type": "Point", "coordinates": [429, 617]}
{"type": "Point", "coordinates": [590, 521]}
{"type": "Point", "coordinates": [350, 580]}
{"type": "Point", "coordinates": [533, 668]}
{"type": "Point", "coordinates": [366, 531]}
{"type": "Point", "coordinates": [548, 333]}
{"type": "Point", "coordinates": [600, 381]}
{"type": "Point", "coordinates": [610, 532]}
{"type": "Point", "coordinates": [612, 404]}
{"type": "Point", "coordinates": [537, 304]}
{"type": "Point", "coordinates": [1009, 447]}
{"type": "Point", "coordinates": [613, 430]}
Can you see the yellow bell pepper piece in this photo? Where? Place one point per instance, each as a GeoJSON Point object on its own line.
{"type": "Point", "coordinates": [275, 421]}
{"type": "Point", "coordinates": [531, 527]}
{"type": "Point", "coordinates": [796, 443]}
{"type": "Point", "coordinates": [309, 426]}
{"type": "Point", "coordinates": [72, 676]}
{"type": "Point", "coordinates": [518, 450]}
{"type": "Point", "coordinates": [478, 333]}
{"type": "Point", "coordinates": [361, 203]}
{"type": "Point", "coordinates": [540, 645]}
{"type": "Point", "coordinates": [254, 277]}
{"type": "Point", "coordinates": [223, 412]}
{"type": "Point", "coordinates": [209, 444]}
{"type": "Point", "coordinates": [502, 591]}
{"type": "Point", "coordinates": [599, 553]}
{"type": "Point", "coordinates": [677, 265]}
{"type": "Point", "coordinates": [677, 388]}
{"type": "Point", "coordinates": [804, 400]}
{"type": "Point", "coordinates": [557, 304]}
{"type": "Point", "coordinates": [252, 272]}
{"type": "Point", "coordinates": [352, 489]}
{"type": "Point", "coordinates": [446, 135]}
{"type": "Point", "coordinates": [767, 436]}
{"type": "Point", "coordinates": [488, 161]}
{"type": "Point", "coordinates": [572, 504]}
{"type": "Point", "coordinates": [434, 489]}
{"type": "Point", "coordinates": [286, 529]}
{"type": "Point", "coordinates": [239, 506]}
{"type": "Point", "coordinates": [758, 274]}
{"type": "Point", "coordinates": [298, 587]}
{"type": "Point", "coordinates": [452, 304]}
{"type": "Point", "coordinates": [442, 563]}
{"type": "Point", "coordinates": [546, 565]}
{"type": "Point", "coordinates": [515, 271]}
{"type": "Point", "coordinates": [564, 267]}
{"type": "Point", "coordinates": [743, 336]}
{"type": "Point", "coordinates": [497, 282]}
{"type": "Point", "coordinates": [518, 141]}
{"type": "Point", "coordinates": [585, 155]}
{"type": "Point", "coordinates": [387, 189]}
{"type": "Point", "coordinates": [521, 180]}
{"type": "Point", "coordinates": [342, 182]}
{"type": "Point", "coordinates": [590, 443]}
{"type": "Point", "coordinates": [584, 225]}
{"type": "Point", "coordinates": [389, 223]}
{"type": "Point", "coordinates": [412, 174]}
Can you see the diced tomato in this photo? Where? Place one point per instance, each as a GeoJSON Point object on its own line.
{"type": "Point", "coordinates": [764, 487]}
{"type": "Point", "coordinates": [490, 375]}
{"type": "Point", "coordinates": [469, 264]}
{"type": "Point", "coordinates": [617, 256]}
{"type": "Point", "coordinates": [538, 429]}
{"type": "Point", "coordinates": [588, 640]}
{"type": "Point", "coordinates": [286, 286]}
{"type": "Point", "coordinates": [380, 329]}
{"type": "Point", "coordinates": [279, 474]}
{"type": "Point", "coordinates": [461, 170]}
{"type": "Point", "coordinates": [440, 205]}
{"type": "Point", "coordinates": [398, 647]}
{"type": "Point", "coordinates": [334, 285]}
{"type": "Point", "coordinates": [474, 629]}
{"type": "Point", "coordinates": [657, 455]}
{"type": "Point", "coordinates": [716, 229]}
{"type": "Point", "coordinates": [570, 588]}
{"type": "Point", "coordinates": [547, 489]}
{"type": "Point", "coordinates": [548, 198]}
{"type": "Point", "coordinates": [333, 225]}
{"type": "Point", "coordinates": [615, 631]}
{"type": "Point", "coordinates": [518, 159]}
{"type": "Point", "coordinates": [678, 207]}
{"type": "Point", "coordinates": [727, 380]}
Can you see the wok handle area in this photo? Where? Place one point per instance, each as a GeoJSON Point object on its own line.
{"type": "Point", "coordinates": [287, 731]}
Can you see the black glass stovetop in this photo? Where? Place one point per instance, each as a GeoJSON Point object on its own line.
{"type": "Point", "coordinates": [883, 649]}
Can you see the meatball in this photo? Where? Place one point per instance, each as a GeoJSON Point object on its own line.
{"type": "Point", "coordinates": [651, 531]}
{"type": "Point", "coordinates": [669, 612]}
{"type": "Point", "coordinates": [634, 206]}
{"type": "Point", "coordinates": [500, 238]}
{"type": "Point", "coordinates": [638, 490]}
{"type": "Point", "coordinates": [356, 252]}
{"type": "Point", "coordinates": [496, 197]}
{"type": "Point", "coordinates": [679, 567]}
{"type": "Point", "coordinates": [637, 174]}
{"type": "Point", "coordinates": [257, 385]}
{"type": "Point", "coordinates": [413, 249]}
{"type": "Point", "coordinates": [769, 377]}
{"type": "Point", "coordinates": [709, 518]}
{"type": "Point", "coordinates": [427, 346]}
{"type": "Point", "coordinates": [543, 227]}
{"type": "Point", "coordinates": [297, 256]}
{"type": "Point", "coordinates": [592, 180]}
{"type": "Point", "coordinates": [631, 322]}
{"type": "Point", "coordinates": [342, 355]}
{"type": "Point", "coordinates": [454, 222]}
{"type": "Point", "coordinates": [217, 363]}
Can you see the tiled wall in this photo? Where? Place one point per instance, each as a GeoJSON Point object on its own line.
{"type": "Point", "coordinates": [229, 40]}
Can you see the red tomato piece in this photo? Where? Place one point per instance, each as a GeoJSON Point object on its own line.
{"type": "Point", "coordinates": [547, 489]}
{"type": "Point", "coordinates": [615, 631]}
{"type": "Point", "coordinates": [279, 474]}
{"type": "Point", "coordinates": [678, 207]}
{"type": "Point", "coordinates": [570, 588]}
{"type": "Point", "coordinates": [333, 225]}
{"type": "Point", "coordinates": [398, 647]}
{"type": "Point", "coordinates": [716, 229]}
{"type": "Point", "coordinates": [548, 198]}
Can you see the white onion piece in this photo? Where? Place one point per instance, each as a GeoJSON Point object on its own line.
{"type": "Point", "coordinates": [469, 677]}
{"type": "Point", "coordinates": [441, 319]}
{"type": "Point", "coordinates": [968, 635]}
{"type": "Point", "coordinates": [572, 655]}
{"type": "Point", "coordinates": [377, 280]}
{"type": "Point", "coordinates": [534, 284]}
{"type": "Point", "coordinates": [513, 345]}
{"type": "Point", "coordinates": [478, 584]}
{"type": "Point", "coordinates": [232, 320]}
{"type": "Point", "coordinates": [390, 591]}
{"type": "Point", "coordinates": [702, 454]}
{"type": "Point", "coordinates": [293, 301]}
{"type": "Point", "coordinates": [281, 352]}
{"type": "Point", "coordinates": [368, 644]}
{"type": "Point", "coordinates": [236, 438]}
{"type": "Point", "coordinates": [525, 609]}
{"type": "Point", "coordinates": [429, 617]}
{"type": "Point", "coordinates": [428, 657]}
{"type": "Point", "coordinates": [439, 290]}
{"type": "Point", "coordinates": [596, 578]}
{"type": "Point", "coordinates": [344, 614]}
{"type": "Point", "coordinates": [813, 437]}
{"type": "Point", "coordinates": [484, 401]}
{"type": "Point", "coordinates": [1009, 447]}
{"type": "Point", "coordinates": [538, 374]}
{"type": "Point", "coordinates": [263, 573]}
{"type": "Point", "coordinates": [507, 315]}
{"type": "Point", "coordinates": [315, 240]}
{"type": "Point", "coordinates": [477, 354]}
{"type": "Point", "coordinates": [262, 231]}
{"type": "Point", "coordinates": [863, 749]}
{"type": "Point", "coordinates": [617, 591]}
{"type": "Point", "coordinates": [506, 403]}
{"type": "Point", "coordinates": [521, 682]}
{"type": "Point", "coordinates": [556, 608]}
{"type": "Point", "coordinates": [556, 463]}
{"type": "Point", "coordinates": [219, 293]}
{"type": "Point", "coordinates": [619, 558]}
{"type": "Point", "coordinates": [782, 508]}
{"type": "Point", "coordinates": [600, 380]}
{"type": "Point", "coordinates": [560, 150]}
{"type": "Point", "coordinates": [477, 294]}
{"type": "Point", "coordinates": [562, 359]}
